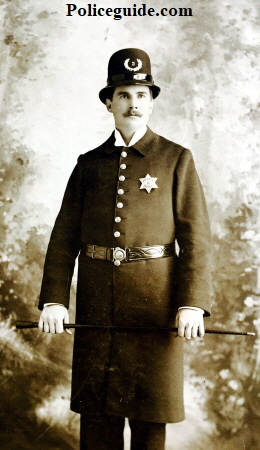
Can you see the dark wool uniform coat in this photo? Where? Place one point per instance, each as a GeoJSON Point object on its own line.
{"type": "Point", "coordinates": [132, 374]}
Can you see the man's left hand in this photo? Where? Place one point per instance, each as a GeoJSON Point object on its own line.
{"type": "Point", "coordinates": [190, 323]}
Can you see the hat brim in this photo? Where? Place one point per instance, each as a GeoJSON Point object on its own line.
{"type": "Point", "coordinates": [103, 94]}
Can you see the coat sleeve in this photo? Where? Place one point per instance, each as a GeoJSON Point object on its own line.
{"type": "Point", "coordinates": [193, 237]}
{"type": "Point", "coordinates": [64, 244]}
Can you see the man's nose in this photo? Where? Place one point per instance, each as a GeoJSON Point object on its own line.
{"type": "Point", "coordinates": [133, 103]}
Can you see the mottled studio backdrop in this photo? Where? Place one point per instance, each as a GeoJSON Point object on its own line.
{"type": "Point", "coordinates": [52, 68]}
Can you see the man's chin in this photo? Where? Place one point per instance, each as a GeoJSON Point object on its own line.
{"type": "Point", "coordinates": [133, 122]}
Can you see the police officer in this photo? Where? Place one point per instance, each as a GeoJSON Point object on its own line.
{"type": "Point", "coordinates": [127, 203]}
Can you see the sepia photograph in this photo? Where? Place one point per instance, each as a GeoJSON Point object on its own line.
{"type": "Point", "coordinates": [130, 225]}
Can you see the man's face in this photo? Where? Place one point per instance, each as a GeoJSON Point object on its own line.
{"type": "Point", "coordinates": [131, 107]}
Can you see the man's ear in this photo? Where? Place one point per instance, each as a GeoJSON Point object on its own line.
{"type": "Point", "coordinates": [108, 104]}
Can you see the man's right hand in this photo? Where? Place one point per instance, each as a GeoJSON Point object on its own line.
{"type": "Point", "coordinates": [52, 319]}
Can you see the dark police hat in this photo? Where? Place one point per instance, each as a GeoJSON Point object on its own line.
{"type": "Point", "coordinates": [126, 67]}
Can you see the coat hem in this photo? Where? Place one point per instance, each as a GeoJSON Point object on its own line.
{"type": "Point", "coordinates": [85, 412]}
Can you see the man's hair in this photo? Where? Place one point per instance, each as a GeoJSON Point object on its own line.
{"type": "Point", "coordinates": [110, 92]}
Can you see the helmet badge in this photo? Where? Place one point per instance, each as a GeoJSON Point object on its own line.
{"type": "Point", "coordinates": [136, 65]}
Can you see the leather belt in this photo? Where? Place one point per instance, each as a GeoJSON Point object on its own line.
{"type": "Point", "coordinates": [117, 254]}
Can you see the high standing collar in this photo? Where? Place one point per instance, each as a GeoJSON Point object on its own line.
{"type": "Point", "coordinates": [144, 146]}
{"type": "Point", "coordinates": [119, 142]}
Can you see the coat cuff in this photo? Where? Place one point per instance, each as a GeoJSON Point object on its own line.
{"type": "Point", "coordinates": [192, 307]}
{"type": "Point", "coordinates": [49, 304]}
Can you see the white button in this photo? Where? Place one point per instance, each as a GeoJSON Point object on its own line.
{"type": "Point", "coordinates": [118, 219]}
{"type": "Point", "coordinates": [116, 233]}
{"type": "Point", "coordinates": [119, 205]}
{"type": "Point", "coordinates": [121, 178]}
{"type": "Point", "coordinates": [124, 154]}
{"type": "Point", "coordinates": [117, 263]}
{"type": "Point", "coordinates": [122, 166]}
{"type": "Point", "coordinates": [120, 191]}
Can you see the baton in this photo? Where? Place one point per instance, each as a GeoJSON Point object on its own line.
{"type": "Point", "coordinates": [21, 324]}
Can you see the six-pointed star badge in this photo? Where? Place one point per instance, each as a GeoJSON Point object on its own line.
{"type": "Point", "coordinates": [148, 183]}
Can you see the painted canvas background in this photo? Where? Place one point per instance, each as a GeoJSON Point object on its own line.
{"type": "Point", "coordinates": [52, 68]}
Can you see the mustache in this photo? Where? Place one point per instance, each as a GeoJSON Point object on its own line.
{"type": "Point", "coordinates": [132, 113]}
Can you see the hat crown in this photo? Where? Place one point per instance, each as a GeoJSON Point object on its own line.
{"type": "Point", "coordinates": [130, 66]}
{"type": "Point", "coordinates": [128, 61]}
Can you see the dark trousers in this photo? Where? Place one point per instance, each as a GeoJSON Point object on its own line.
{"type": "Point", "coordinates": [105, 432]}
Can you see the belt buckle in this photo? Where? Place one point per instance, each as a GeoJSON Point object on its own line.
{"type": "Point", "coordinates": [119, 254]}
{"type": "Point", "coordinates": [93, 251]}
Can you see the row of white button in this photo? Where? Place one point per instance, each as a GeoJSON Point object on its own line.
{"type": "Point", "coordinates": [120, 192]}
